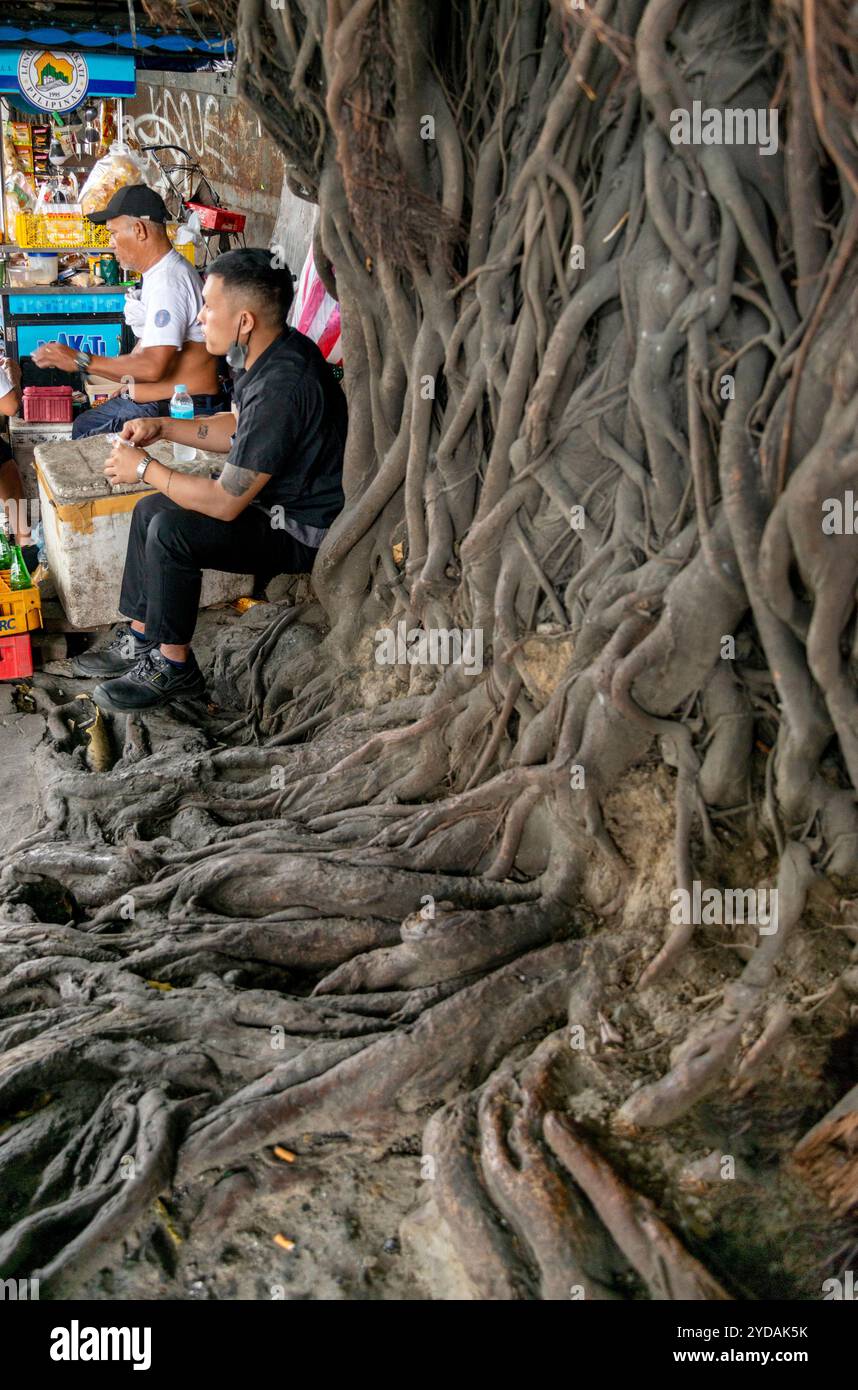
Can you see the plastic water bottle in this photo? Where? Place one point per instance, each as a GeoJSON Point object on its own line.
{"type": "Point", "coordinates": [182, 408]}
{"type": "Point", "coordinates": [38, 539]}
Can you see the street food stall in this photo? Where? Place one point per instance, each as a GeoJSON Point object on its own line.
{"type": "Point", "coordinates": [61, 113]}
{"type": "Point", "coordinates": [66, 149]}
{"type": "Point", "coordinates": [63, 155]}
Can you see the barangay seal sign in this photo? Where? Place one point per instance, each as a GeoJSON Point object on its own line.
{"type": "Point", "coordinates": [52, 81]}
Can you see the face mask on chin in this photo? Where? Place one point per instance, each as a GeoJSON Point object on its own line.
{"type": "Point", "coordinates": [236, 353]}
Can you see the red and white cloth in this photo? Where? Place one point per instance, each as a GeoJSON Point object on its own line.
{"type": "Point", "coordinates": [315, 313]}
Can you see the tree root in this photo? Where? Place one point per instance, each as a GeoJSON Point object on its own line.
{"type": "Point", "coordinates": [379, 1092]}
{"type": "Point", "coordinates": [663, 1263]}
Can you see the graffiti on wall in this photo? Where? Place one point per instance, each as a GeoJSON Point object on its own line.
{"type": "Point", "coordinates": [194, 121]}
{"type": "Point", "coordinates": [224, 140]}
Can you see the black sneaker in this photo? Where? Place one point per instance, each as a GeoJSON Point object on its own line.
{"type": "Point", "coordinates": [122, 652]}
{"type": "Point", "coordinates": [151, 682]}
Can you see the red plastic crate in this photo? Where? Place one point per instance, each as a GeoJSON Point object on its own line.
{"type": "Point", "coordinates": [51, 404]}
{"type": "Point", "coordinates": [218, 219]}
{"type": "Point", "coordinates": [16, 657]}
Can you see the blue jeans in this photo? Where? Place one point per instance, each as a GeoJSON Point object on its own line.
{"type": "Point", "coordinates": [109, 417]}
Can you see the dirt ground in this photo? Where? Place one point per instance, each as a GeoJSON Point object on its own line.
{"type": "Point", "coordinates": [338, 1203]}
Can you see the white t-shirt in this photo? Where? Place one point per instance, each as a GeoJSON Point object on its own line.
{"type": "Point", "coordinates": [5, 381]}
{"type": "Point", "coordinates": [171, 298]}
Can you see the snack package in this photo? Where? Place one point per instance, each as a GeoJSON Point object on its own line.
{"type": "Point", "coordinates": [106, 126]}
{"type": "Point", "coordinates": [68, 142]}
{"type": "Point", "coordinates": [24, 158]}
{"type": "Point", "coordinates": [118, 168]}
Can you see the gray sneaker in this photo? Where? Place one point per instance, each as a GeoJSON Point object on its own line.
{"type": "Point", "coordinates": [122, 652]}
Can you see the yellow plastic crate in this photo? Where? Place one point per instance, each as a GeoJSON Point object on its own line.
{"type": "Point", "coordinates": [59, 231]}
{"type": "Point", "coordinates": [69, 231]}
{"type": "Point", "coordinates": [20, 609]}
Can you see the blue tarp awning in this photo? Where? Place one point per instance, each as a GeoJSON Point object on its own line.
{"type": "Point", "coordinates": [143, 41]}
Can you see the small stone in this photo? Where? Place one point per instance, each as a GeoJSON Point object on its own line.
{"type": "Point", "coordinates": [391, 1245]}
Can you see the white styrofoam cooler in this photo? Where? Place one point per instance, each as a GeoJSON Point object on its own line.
{"type": "Point", "coordinates": [86, 525]}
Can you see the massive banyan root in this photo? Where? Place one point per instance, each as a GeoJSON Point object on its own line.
{"type": "Point", "coordinates": [596, 381]}
{"type": "Point", "coordinates": [378, 1093]}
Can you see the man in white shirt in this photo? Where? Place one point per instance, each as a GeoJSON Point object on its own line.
{"type": "Point", "coordinates": [171, 344]}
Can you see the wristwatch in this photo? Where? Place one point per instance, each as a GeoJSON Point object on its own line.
{"type": "Point", "coordinates": [143, 465]}
{"type": "Point", "coordinates": [83, 360]}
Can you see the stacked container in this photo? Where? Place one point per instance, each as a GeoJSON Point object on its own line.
{"type": "Point", "coordinates": [20, 614]}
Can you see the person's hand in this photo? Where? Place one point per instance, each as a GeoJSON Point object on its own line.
{"type": "Point", "coordinates": [142, 431]}
{"type": "Point", "coordinates": [56, 355]}
{"type": "Point", "coordinates": [12, 370]}
{"type": "Point", "coordinates": [121, 465]}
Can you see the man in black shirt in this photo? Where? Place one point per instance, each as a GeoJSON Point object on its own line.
{"type": "Point", "coordinates": [267, 512]}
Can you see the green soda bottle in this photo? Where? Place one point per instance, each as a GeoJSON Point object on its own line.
{"type": "Point", "coordinates": [19, 575]}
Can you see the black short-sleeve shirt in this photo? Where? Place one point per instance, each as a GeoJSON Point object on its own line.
{"type": "Point", "coordinates": [291, 423]}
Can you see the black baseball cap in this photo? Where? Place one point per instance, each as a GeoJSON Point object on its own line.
{"type": "Point", "coordinates": [134, 200]}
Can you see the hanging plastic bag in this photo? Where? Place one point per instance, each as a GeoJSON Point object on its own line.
{"type": "Point", "coordinates": [134, 312]}
{"type": "Point", "coordinates": [119, 167]}
{"type": "Point", "coordinates": [315, 313]}
{"type": "Point", "coordinates": [20, 194]}
{"type": "Point", "coordinates": [58, 194]}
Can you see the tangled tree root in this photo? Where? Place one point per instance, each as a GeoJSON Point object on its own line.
{"type": "Point", "coordinates": [382, 899]}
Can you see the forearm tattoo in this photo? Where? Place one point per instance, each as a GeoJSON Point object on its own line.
{"type": "Point", "coordinates": [202, 431]}
{"type": "Point", "coordinates": [236, 481]}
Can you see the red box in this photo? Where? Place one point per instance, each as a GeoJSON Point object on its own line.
{"type": "Point", "coordinates": [51, 404]}
{"type": "Point", "coordinates": [218, 219]}
{"type": "Point", "coordinates": [16, 657]}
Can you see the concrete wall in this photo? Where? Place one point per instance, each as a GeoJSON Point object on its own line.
{"type": "Point", "coordinates": [293, 228]}
{"type": "Point", "coordinates": [202, 112]}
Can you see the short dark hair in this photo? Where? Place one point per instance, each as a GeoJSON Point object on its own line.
{"type": "Point", "coordinates": [252, 271]}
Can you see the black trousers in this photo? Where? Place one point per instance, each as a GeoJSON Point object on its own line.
{"type": "Point", "coordinates": [169, 547]}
